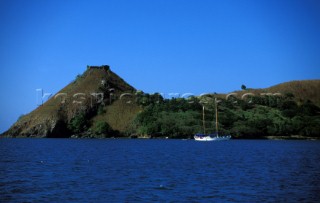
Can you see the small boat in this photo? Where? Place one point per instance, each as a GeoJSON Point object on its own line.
{"type": "Point", "coordinates": [211, 137]}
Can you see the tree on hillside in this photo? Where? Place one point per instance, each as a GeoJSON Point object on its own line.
{"type": "Point", "coordinates": [102, 128]}
{"type": "Point", "coordinates": [243, 87]}
{"type": "Point", "coordinates": [78, 123]}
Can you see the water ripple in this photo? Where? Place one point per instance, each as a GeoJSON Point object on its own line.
{"type": "Point", "coordinates": [62, 170]}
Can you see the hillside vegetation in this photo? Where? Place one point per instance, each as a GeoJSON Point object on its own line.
{"type": "Point", "coordinates": [73, 110]}
{"type": "Point", "coordinates": [100, 104]}
{"type": "Point", "coordinates": [250, 117]}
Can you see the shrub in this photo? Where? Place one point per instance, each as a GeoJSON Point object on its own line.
{"type": "Point", "coordinates": [101, 109]}
{"type": "Point", "coordinates": [102, 128]}
{"type": "Point", "coordinates": [78, 123]}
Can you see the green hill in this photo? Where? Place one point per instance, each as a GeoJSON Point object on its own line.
{"type": "Point", "coordinates": [97, 88]}
{"type": "Point", "coordinates": [101, 104]}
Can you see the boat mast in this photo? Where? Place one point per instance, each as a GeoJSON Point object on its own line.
{"type": "Point", "coordinates": [203, 121]}
{"type": "Point", "coordinates": [216, 105]}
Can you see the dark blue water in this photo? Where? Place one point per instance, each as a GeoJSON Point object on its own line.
{"type": "Point", "coordinates": [84, 170]}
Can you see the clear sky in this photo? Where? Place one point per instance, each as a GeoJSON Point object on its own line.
{"type": "Point", "coordinates": [167, 46]}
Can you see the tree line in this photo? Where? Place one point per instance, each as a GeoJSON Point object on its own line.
{"type": "Point", "coordinates": [255, 117]}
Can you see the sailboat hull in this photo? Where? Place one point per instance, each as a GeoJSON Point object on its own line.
{"type": "Point", "coordinates": [210, 138]}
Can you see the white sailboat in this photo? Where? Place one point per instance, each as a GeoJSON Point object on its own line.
{"type": "Point", "coordinates": [211, 137]}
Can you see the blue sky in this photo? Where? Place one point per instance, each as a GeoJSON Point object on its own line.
{"type": "Point", "coordinates": [167, 46]}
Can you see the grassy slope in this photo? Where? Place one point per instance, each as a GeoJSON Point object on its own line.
{"type": "Point", "coordinates": [302, 90]}
{"type": "Point", "coordinates": [119, 115]}
{"type": "Point", "coordinates": [46, 115]}
{"type": "Point", "coordinates": [49, 110]}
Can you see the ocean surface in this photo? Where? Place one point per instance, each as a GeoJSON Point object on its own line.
{"type": "Point", "coordinates": [136, 170]}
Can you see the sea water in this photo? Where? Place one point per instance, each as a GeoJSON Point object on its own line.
{"type": "Point", "coordinates": [137, 170]}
